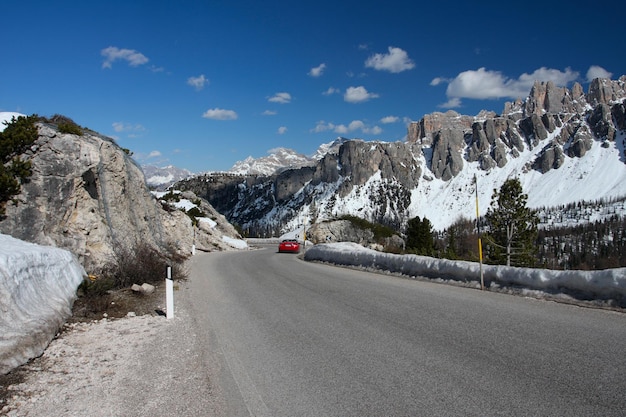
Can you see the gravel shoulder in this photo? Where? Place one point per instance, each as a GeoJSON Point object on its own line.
{"type": "Point", "coordinates": [140, 364]}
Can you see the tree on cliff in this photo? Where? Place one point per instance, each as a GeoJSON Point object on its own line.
{"type": "Point", "coordinates": [512, 227]}
{"type": "Point", "coordinates": [18, 135]}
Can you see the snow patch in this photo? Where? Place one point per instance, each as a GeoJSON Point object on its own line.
{"type": "Point", "coordinates": [235, 243]}
{"type": "Point", "coordinates": [37, 289]}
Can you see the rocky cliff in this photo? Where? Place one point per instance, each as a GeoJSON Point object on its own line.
{"type": "Point", "coordinates": [492, 140]}
{"type": "Point", "coordinates": [87, 195]}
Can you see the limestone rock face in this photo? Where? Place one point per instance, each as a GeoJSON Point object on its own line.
{"type": "Point", "coordinates": [447, 159]}
{"type": "Point", "coordinates": [360, 160]}
{"type": "Point", "coordinates": [551, 157]}
{"type": "Point", "coordinates": [546, 97]}
{"type": "Point", "coordinates": [601, 122]}
{"type": "Point", "coordinates": [423, 131]}
{"type": "Point", "coordinates": [606, 91]}
{"type": "Point", "coordinates": [88, 196]}
{"type": "Point", "coordinates": [339, 231]}
{"type": "Point", "coordinates": [346, 231]}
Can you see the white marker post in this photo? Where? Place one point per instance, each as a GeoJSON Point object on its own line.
{"type": "Point", "coordinates": [193, 247]}
{"type": "Point", "coordinates": [169, 294]}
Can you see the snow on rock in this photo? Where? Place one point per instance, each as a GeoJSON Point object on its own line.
{"type": "Point", "coordinates": [609, 284]}
{"type": "Point", "coordinates": [235, 243]}
{"type": "Point", "coordinates": [37, 289]}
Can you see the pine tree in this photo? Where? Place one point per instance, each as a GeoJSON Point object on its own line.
{"type": "Point", "coordinates": [512, 227]}
{"type": "Point", "coordinates": [17, 137]}
{"type": "Point", "coordinates": [419, 236]}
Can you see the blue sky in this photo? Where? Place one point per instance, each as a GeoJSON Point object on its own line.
{"type": "Point", "coordinates": [203, 84]}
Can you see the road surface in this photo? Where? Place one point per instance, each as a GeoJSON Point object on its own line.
{"type": "Point", "coordinates": [291, 338]}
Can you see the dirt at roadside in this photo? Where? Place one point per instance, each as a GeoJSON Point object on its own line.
{"type": "Point", "coordinates": [96, 343]}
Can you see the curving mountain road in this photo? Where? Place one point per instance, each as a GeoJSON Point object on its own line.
{"type": "Point", "coordinates": [291, 338]}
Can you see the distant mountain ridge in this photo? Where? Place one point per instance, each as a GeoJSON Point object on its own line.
{"type": "Point", "coordinates": [279, 159]}
{"type": "Point", "coordinates": [563, 144]}
{"type": "Point", "coordinates": [160, 178]}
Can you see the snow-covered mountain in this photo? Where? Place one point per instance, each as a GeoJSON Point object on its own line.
{"type": "Point", "coordinates": [564, 145]}
{"type": "Point", "coordinates": [278, 160]}
{"type": "Point", "coordinates": [162, 177]}
{"type": "Point", "coordinates": [281, 159]}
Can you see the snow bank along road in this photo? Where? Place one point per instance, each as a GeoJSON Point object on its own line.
{"type": "Point", "coordinates": [295, 338]}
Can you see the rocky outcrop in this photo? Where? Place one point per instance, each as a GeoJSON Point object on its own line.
{"type": "Point", "coordinates": [347, 231]}
{"type": "Point", "coordinates": [551, 157]}
{"type": "Point", "coordinates": [546, 97]}
{"type": "Point", "coordinates": [422, 132]}
{"type": "Point", "coordinates": [606, 91]}
{"type": "Point", "coordinates": [601, 122]}
{"type": "Point", "coordinates": [447, 161]}
{"type": "Point", "coordinates": [87, 195]}
{"type": "Point", "coordinates": [580, 142]}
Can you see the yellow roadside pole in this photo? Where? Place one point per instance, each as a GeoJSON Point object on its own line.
{"type": "Point", "coordinates": [480, 243]}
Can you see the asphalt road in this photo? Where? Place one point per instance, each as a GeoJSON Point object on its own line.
{"type": "Point", "coordinates": [291, 338]}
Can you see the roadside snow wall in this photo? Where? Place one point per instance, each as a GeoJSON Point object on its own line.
{"type": "Point", "coordinates": [37, 289]}
{"type": "Point", "coordinates": [609, 284]}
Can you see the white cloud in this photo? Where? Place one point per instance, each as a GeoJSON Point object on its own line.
{"type": "Point", "coordinates": [331, 91]}
{"type": "Point", "coordinates": [112, 54]}
{"type": "Point", "coordinates": [120, 127]}
{"type": "Point", "coordinates": [595, 71]}
{"type": "Point", "coordinates": [220, 114]}
{"type": "Point", "coordinates": [439, 80]}
{"type": "Point", "coordinates": [322, 126]}
{"type": "Point", "coordinates": [317, 71]}
{"type": "Point", "coordinates": [358, 95]}
{"type": "Point", "coordinates": [282, 98]}
{"type": "Point", "coordinates": [154, 154]}
{"type": "Point", "coordinates": [356, 125]}
{"type": "Point", "coordinates": [453, 103]}
{"type": "Point", "coordinates": [282, 130]}
{"type": "Point", "coordinates": [269, 113]}
{"type": "Point", "coordinates": [389, 119]}
{"type": "Point", "coordinates": [342, 129]}
{"type": "Point", "coordinates": [397, 60]}
{"type": "Point", "coordinates": [484, 84]}
{"type": "Point", "coordinates": [375, 130]}
{"type": "Point", "coordinates": [198, 82]}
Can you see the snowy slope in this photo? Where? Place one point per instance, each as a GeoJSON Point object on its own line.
{"type": "Point", "coordinates": [37, 288]}
{"type": "Point", "coordinates": [601, 173]}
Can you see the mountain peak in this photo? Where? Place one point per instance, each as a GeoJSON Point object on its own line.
{"type": "Point", "coordinates": [279, 159]}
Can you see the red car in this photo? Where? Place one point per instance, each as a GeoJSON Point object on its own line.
{"type": "Point", "coordinates": [289, 245]}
